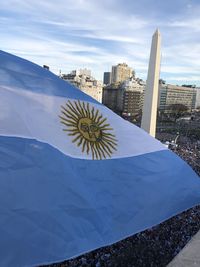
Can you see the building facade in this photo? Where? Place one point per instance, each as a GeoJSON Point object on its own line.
{"type": "Point", "coordinates": [107, 78]}
{"type": "Point", "coordinates": [133, 99]}
{"type": "Point", "coordinates": [113, 97]}
{"type": "Point", "coordinates": [85, 82]}
{"type": "Point", "coordinates": [121, 72]}
{"type": "Point", "coordinates": [170, 95]}
{"type": "Point", "coordinates": [92, 88]}
{"type": "Point", "coordinates": [125, 98]}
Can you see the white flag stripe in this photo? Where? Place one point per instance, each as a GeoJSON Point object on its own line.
{"type": "Point", "coordinates": [32, 115]}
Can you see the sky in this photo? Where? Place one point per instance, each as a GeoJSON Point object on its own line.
{"type": "Point", "coordinates": [96, 34]}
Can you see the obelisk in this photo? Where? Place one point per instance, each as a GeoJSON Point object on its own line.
{"type": "Point", "coordinates": [149, 114]}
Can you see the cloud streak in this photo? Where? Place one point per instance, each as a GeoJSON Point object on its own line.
{"type": "Point", "coordinates": [88, 33]}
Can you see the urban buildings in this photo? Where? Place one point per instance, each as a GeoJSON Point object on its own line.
{"type": "Point", "coordinates": [126, 97]}
{"type": "Point", "coordinates": [85, 82]}
{"type": "Point", "coordinates": [123, 93]}
{"type": "Point", "coordinates": [170, 95]}
{"type": "Point", "coordinates": [121, 72]}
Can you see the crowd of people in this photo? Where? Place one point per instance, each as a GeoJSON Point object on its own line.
{"type": "Point", "coordinates": [155, 247]}
{"type": "Point", "coordinates": [191, 154]}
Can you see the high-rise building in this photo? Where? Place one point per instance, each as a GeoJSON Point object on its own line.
{"type": "Point", "coordinates": [125, 98]}
{"type": "Point", "coordinates": [113, 97]}
{"type": "Point", "coordinates": [107, 78]}
{"type": "Point", "coordinates": [133, 99]}
{"type": "Point", "coordinates": [121, 72]}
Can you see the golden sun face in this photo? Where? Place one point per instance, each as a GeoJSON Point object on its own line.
{"type": "Point", "coordinates": [89, 129]}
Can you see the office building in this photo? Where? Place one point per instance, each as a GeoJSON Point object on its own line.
{"type": "Point", "coordinates": [107, 78]}
{"type": "Point", "coordinates": [170, 95]}
{"type": "Point", "coordinates": [125, 98]}
{"type": "Point", "coordinates": [121, 72]}
{"type": "Point", "coordinates": [133, 99]}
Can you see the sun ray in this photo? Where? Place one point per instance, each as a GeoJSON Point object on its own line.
{"type": "Point", "coordinates": [84, 145]}
{"type": "Point", "coordinates": [111, 144]}
{"type": "Point", "coordinates": [109, 134]}
{"type": "Point", "coordinates": [109, 138]}
{"type": "Point", "coordinates": [104, 125]}
{"type": "Point", "coordinates": [92, 113]}
{"type": "Point", "coordinates": [73, 109]}
{"type": "Point", "coordinates": [80, 142]}
{"type": "Point", "coordinates": [66, 111]}
{"type": "Point", "coordinates": [72, 134]}
{"type": "Point", "coordinates": [74, 116]}
{"type": "Point", "coordinates": [88, 110]}
{"type": "Point", "coordinates": [77, 138]}
{"type": "Point", "coordinates": [85, 110]}
{"type": "Point", "coordinates": [107, 129]}
{"type": "Point", "coordinates": [95, 152]}
{"type": "Point", "coordinates": [96, 114]}
{"type": "Point", "coordinates": [99, 118]}
{"type": "Point", "coordinates": [82, 109]}
{"type": "Point", "coordinates": [68, 124]}
{"type": "Point", "coordinates": [102, 121]}
{"type": "Point", "coordinates": [98, 150]}
{"type": "Point", "coordinates": [105, 149]}
{"type": "Point", "coordinates": [64, 121]}
{"type": "Point", "coordinates": [92, 152]}
{"type": "Point", "coordinates": [102, 152]}
{"type": "Point", "coordinates": [79, 110]}
{"type": "Point", "coordinates": [107, 146]}
{"type": "Point", "coordinates": [88, 147]}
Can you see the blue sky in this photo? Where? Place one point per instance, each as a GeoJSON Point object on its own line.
{"type": "Point", "coordinates": [67, 35]}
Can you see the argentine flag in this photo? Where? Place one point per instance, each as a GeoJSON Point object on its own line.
{"type": "Point", "coordinates": [74, 176]}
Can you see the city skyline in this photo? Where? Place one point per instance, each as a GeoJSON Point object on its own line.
{"type": "Point", "coordinates": [70, 35]}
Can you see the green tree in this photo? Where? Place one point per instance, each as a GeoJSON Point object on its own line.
{"type": "Point", "coordinates": [177, 110]}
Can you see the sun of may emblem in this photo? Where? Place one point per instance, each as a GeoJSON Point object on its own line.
{"type": "Point", "coordinates": [89, 129]}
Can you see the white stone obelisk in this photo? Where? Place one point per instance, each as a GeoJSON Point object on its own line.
{"type": "Point", "coordinates": [149, 114]}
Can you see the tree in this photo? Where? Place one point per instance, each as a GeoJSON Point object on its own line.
{"type": "Point", "coordinates": [177, 110]}
{"type": "Point", "coordinates": [161, 81]}
{"type": "Point", "coordinates": [189, 85]}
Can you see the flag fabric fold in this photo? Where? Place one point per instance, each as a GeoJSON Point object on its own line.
{"type": "Point", "coordinates": [74, 176]}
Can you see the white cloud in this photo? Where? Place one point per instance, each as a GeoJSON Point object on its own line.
{"type": "Point", "coordinates": [191, 24]}
{"type": "Point", "coordinates": [69, 34]}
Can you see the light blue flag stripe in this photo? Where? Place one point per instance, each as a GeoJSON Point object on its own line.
{"type": "Point", "coordinates": [54, 207]}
